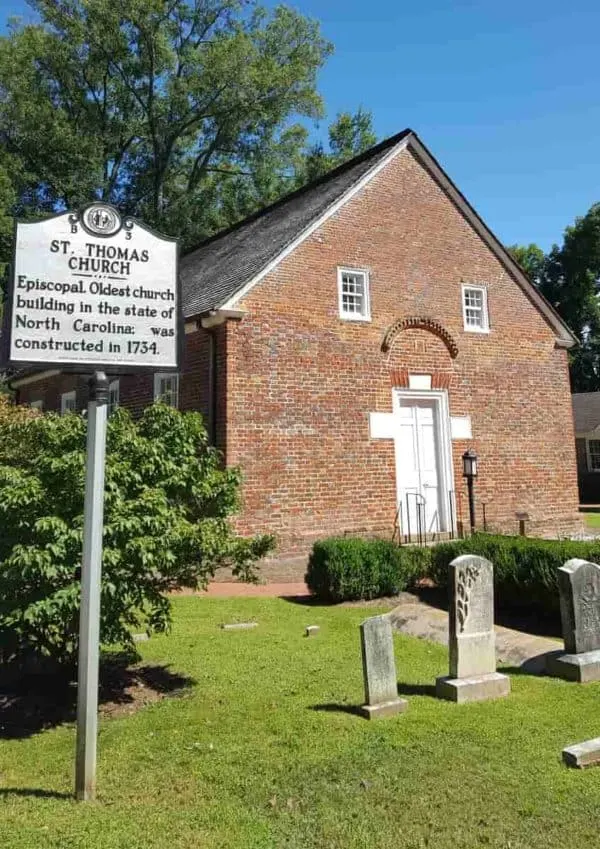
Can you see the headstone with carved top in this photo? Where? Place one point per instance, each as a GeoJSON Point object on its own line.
{"type": "Point", "coordinates": [473, 675]}
{"type": "Point", "coordinates": [579, 586]}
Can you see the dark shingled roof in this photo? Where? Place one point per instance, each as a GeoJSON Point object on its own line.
{"type": "Point", "coordinates": [215, 271]}
{"type": "Point", "coordinates": [586, 411]}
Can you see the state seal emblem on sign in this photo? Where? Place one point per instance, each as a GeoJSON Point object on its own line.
{"type": "Point", "coordinates": [101, 220]}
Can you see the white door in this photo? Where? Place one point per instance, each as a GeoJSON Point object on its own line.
{"type": "Point", "coordinates": [418, 467]}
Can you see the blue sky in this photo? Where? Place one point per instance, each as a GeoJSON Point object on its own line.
{"type": "Point", "coordinates": [505, 95]}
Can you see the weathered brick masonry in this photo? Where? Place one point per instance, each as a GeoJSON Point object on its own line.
{"type": "Point", "coordinates": [136, 390]}
{"type": "Point", "coordinates": [295, 383]}
{"type": "Point", "coordinates": [302, 381]}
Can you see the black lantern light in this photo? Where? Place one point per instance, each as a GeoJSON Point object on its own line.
{"type": "Point", "coordinates": [469, 459]}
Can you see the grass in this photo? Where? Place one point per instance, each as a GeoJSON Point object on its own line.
{"type": "Point", "coordinates": [592, 520]}
{"type": "Point", "coordinates": [263, 751]}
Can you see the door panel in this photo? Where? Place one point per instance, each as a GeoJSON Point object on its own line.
{"type": "Point", "coordinates": [418, 466]}
{"type": "Point", "coordinates": [407, 459]}
{"type": "Point", "coordinates": [428, 463]}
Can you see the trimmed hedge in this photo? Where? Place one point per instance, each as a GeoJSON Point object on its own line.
{"type": "Point", "coordinates": [525, 568]}
{"type": "Point", "coordinates": [350, 568]}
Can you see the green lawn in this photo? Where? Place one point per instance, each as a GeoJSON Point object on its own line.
{"type": "Point", "coordinates": [260, 752]}
{"type": "Point", "coordinates": [592, 520]}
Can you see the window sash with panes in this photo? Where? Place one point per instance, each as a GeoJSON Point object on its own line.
{"type": "Point", "coordinates": [68, 402]}
{"type": "Point", "coordinates": [594, 455]}
{"type": "Point", "coordinates": [166, 389]}
{"type": "Point", "coordinates": [354, 295]}
{"type": "Point", "coordinates": [474, 307]}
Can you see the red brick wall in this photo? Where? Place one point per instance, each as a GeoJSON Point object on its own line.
{"type": "Point", "coordinates": [49, 391]}
{"type": "Point", "coordinates": [295, 384]}
{"type": "Point", "coordinates": [137, 390]}
{"type": "Point", "coordinates": [301, 381]}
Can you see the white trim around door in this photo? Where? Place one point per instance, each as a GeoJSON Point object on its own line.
{"type": "Point", "coordinates": [437, 400]}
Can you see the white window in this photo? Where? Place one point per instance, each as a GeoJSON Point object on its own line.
{"type": "Point", "coordinates": [166, 388]}
{"type": "Point", "coordinates": [475, 309]}
{"type": "Point", "coordinates": [113, 396]}
{"type": "Point", "coordinates": [353, 290]}
{"type": "Point", "coordinates": [68, 402]}
{"type": "Point", "coordinates": [37, 405]}
{"type": "Point", "coordinates": [593, 454]}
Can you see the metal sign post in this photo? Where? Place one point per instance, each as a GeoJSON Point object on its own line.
{"type": "Point", "coordinates": [92, 291]}
{"type": "Point", "coordinates": [89, 621]}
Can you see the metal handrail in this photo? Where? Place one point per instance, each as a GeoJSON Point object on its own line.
{"type": "Point", "coordinates": [420, 503]}
{"type": "Point", "coordinates": [398, 524]}
{"type": "Point", "coordinates": [422, 531]}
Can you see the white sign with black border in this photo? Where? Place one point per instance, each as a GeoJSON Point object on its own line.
{"type": "Point", "coordinates": [92, 290]}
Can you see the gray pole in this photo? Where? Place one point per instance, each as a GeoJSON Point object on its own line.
{"type": "Point", "coordinates": [89, 619]}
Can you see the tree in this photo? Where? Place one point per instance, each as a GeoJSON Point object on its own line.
{"type": "Point", "coordinates": [532, 260]}
{"type": "Point", "coordinates": [154, 104]}
{"type": "Point", "coordinates": [349, 135]}
{"type": "Point", "coordinates": [571, 283]}
{"type": "Point", "coordinates": [167, 525]}
{"type": "Point", "coordinates": [569, 277]}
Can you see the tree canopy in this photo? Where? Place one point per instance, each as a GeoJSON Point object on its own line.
{"type": "Point", "coordinates": [531, 258]}
{"type": "Point", "coordinates": [569, 277]}
{"type": "Point", "coordinates": [186, 113]}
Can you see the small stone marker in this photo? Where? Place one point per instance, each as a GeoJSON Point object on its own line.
{"type": "Point", "coordinates": [239, 626]}
{"type": "Point", "coordinates": [311, 630]}
{"type": "Point", "coordinates": [579, 586]}
{"type": "Point", "coordinates": [140, 638]}
{"type": "Point", "coordinates": [583, 754]}
{"type": "Point", "coordinates": [379, 669]}
{"type": "Point", "coordinates": [473, 675]}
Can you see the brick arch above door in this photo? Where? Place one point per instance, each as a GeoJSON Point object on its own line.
{"type": "Point", "coordinates": [419, 323]}
{"type": "Point", "coordinates": [419, 346]}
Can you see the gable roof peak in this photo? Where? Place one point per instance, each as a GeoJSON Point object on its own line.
{"type": "Point", "coordinates": [349, 164]}
{"type": "Point", "coordinates": [216, 271]}
{"type": "Point", "coordinates": [224, 267]}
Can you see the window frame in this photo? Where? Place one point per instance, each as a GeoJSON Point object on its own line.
{"type": "Point", "coordinates": [348, 316]}
{"type": "Point", "coordinates": [166, 375]}
{"type": "Point", "coordinates": [114, 384]}
{"type": "Point", "coordinates": [588, 454]}
{"type": "Point", "coordinates": [65, 398]}
{"type": "Point", "coordinates": [38, 404]}
{"type": "Point", "coordinates": [469, 328]}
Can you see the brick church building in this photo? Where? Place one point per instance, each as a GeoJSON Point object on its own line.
{"type": "Point", "coordinates": [347, 344]}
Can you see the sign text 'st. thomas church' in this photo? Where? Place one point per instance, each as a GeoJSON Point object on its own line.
{"type": "Point", "coordinates": [91, 290]}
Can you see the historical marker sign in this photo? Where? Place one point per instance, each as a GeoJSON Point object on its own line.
{"type": "Point", "coordinates": [92, 291]}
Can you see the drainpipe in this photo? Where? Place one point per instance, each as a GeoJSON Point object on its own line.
{"type": "Point", "coordinates": [209, 321]}
{"type": "Point", "coordinates": [212, 385]}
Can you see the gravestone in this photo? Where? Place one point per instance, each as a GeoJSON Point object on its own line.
{"type": "Point", "coordinates": [379, 669]}
{"type": "Point", "coordinates": [579, 586]}
{"type": "Point", "coordinates": [473, 675]}
{"type": "Point", "coordinates": [583, 755]}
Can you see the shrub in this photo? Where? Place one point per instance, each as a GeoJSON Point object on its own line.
{"type": "Point", "coordinates": [525, 569]}
{"type": "Point", "coordinates": [349, 568]}
{"type": "Point", "coordinates": [166, 525]}
{"type": "Point", "coordinates": [11, 413]}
